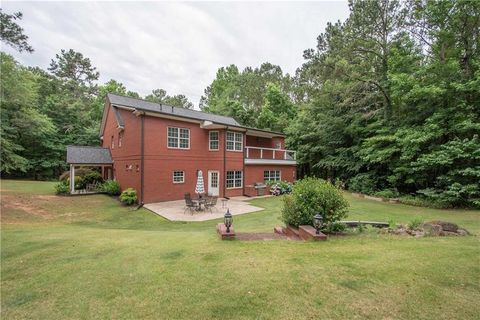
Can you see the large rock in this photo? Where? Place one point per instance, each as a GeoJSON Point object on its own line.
{"type": "Point", "coordinates": [446, 226]}
{"type": "Point", "coordinates": [432, 229]}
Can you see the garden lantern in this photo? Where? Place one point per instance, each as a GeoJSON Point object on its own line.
{"type": "Point", "coordinates": [228, 218]}
{"type": "Point", "coordinates": [317, 222]}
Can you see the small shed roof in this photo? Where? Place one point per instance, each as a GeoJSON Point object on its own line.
{"type": "Point", "coordinates": [88, 155]}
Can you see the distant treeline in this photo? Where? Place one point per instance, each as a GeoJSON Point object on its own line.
{"type": "Point", "coordinates": [388, 103]}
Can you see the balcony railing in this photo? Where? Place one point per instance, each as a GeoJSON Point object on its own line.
{"type": "Point", "coordinates": [269, 153]}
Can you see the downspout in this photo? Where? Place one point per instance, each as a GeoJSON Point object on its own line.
{"type": "Point", "coordinates": [243, 160]}
{"type": "Point", "coordinates": [225, 162]}
{"type": "Point", "coordinates": [142, 159]}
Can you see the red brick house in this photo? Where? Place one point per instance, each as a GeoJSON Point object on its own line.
{"type": "Point", "coordinates": [158, 150]}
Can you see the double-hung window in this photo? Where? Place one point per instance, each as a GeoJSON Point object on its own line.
{"type": "Point", "coordinates": [271, 175]}
{"type": "Point", "coordinates": [178, 138]}
{"type": "Point", "coordinates": [213, 140]}
{"type": "Point", "coordinates": [234, 141]}
{"type": "Point", "coordinates": [178, 176]}
{"type": "Point", "coordinates": [234, 179]}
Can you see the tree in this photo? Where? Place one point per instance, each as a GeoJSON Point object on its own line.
{"type": "Point", "coordinates": [11, 33]}
{"type": "Point", "coordinates": [160, 96]}
{"type": "Point", "coordinates": [75, 71]}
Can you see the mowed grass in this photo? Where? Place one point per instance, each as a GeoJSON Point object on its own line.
{"type": "Point", "coordinates": [87, 257]}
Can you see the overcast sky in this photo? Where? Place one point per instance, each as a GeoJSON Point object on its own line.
{"type": "Point", "coordinates": [174, 46]}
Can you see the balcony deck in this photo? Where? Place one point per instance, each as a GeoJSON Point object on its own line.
{"type": "Point", "coordinates": [259, 155]}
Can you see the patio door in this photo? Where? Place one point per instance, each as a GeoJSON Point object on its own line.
{"type": "Point", "coordinates": [213, 179]}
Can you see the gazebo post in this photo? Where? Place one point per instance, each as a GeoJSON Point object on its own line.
{"type": "Point", "coordinates": [72, 179]}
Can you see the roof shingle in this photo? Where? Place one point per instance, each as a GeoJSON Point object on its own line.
{"type": "Point", "coordinates": [169, 110]}
{"type": "Point", "coordinates": [88, 155]}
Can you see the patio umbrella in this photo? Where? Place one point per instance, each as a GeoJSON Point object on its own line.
{"type": "Point", "coordinates": [199, 188]}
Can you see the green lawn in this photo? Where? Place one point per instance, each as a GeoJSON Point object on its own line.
{"type": "Point", "coordinates": [87, 257]}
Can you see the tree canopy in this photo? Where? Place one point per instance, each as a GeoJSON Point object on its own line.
{"type": "Point", "coordinates": [387, 102]}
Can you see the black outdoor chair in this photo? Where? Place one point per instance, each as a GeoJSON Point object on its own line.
{"type": "Point", "coordinates": [190, 204]}
{"type": "Point", "coordinates": [211, 203]}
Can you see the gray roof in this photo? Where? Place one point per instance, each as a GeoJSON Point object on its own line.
{"type": "Point", "coordinates": [169, 110]}
{"type": "Point", "coordinates": [88, 155]}
{"type": "Point", "coordinates": [119, 117]}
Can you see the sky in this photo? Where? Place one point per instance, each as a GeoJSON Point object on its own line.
{"type": "Point", "coordinates": [177, 46]}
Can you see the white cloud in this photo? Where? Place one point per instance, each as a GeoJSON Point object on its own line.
{"type": "Point", "coordinates": [176, 46]}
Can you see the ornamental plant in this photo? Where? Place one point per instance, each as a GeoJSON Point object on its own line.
{"type": "Point", "coordinates": [311, 196]}
{"type": "Point", "coordinates": [128, 196]}
{"type": "Point", "coordinates": [111, 187]}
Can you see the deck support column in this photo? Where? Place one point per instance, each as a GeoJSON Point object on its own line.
{"type": "Point", "coordinates": [72, 179]}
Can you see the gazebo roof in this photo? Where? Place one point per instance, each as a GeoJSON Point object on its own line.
{"type": "Point", "coordinates": [84, 155]}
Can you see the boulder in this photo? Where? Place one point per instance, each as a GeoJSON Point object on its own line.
{"type": "Point", "coordinates": [462, 232]}
{"type": "Point", "coordinates": [446, 226]}
{"type": "Point", "coordinates": [432, 229]}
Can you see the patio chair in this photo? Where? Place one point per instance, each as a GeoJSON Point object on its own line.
{"type": "Point", "coordinates": [190, 205]}
{"type": "Point", "coordinates": [211, 203]}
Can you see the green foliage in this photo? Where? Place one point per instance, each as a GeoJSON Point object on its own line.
{"type": "Point", "coordinates": [111, 187]}
{"type": "Point", "coordinates": [337, 227]}
{"type": "Point", "coordinates": [387, 193]}
{"type": "Point", "coordinates": [415, 223]}
{"type": "Point", "coordinates": [311, 196]}
{"type": "Point", "coordinates": [62, 187]}
{"type": "Point", "coordinates": [79, 182]}
{"type": "Point", "coordinates": [365, 183]}
{"type": "Point", "coordinates": [160, 96]}
{"type": "Point", "coordinates": [93, 177]}
{"type": "Point", "coordinates": [11, 33]}
{"type": "Point", "coordinates": [128, 196]}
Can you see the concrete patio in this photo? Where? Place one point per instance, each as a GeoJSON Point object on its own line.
{"type": "Point", "coordinates": [175, 210]}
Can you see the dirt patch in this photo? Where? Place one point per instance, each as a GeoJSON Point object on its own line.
{"type": "Point", "coordinates": [24, 204]}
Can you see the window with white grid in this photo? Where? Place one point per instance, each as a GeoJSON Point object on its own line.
{"type": "Point", "coordinates": [234, 141]}
{"type": "Point", "coordinates": [178, 176]}
{"type": "Point", "coordinates": [234, 179]}
{"type": "Point", "coordinates": [271, 175]}
{"type": "Point", "coordinates": [178, 138]}
{"type": "Point", "coordinates": [213, 140]}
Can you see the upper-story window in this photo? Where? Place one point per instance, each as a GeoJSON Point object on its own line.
{"type": "Point", "coordinates": [213, 140]}
{"type": "Point", "coordinates": [178, 138]}
{"type": "Point", "coordinates": [120, 138]}
{"type": "Point", "coordinates": [234, 141]}
{"type": "Point", "coordinates": [113, 143]}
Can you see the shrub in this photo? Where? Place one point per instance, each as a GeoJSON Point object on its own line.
{"type": "Point", "coordinates": [79, 182]}
{"type": "Point", "coordinates": [419, 201]}
{"type": "Point", "coordinates": [111, 187]}
{"type": "Point", "coordinates": [387, 193]}
{"type": "Point", "coordinates": [92, 178]}
{"type": "Point", "coordinates": [79, 172]}
{"type": "Point", "coordinates": [311, 196]}
{"type": "Point", "coordinates": [128, 196]}
{"type": "Point", "coordinates": [415, 223]}
{"type": "Point", "coordinates": [62, 188]}
{"type": "Point", "coordinates": [337, 227]}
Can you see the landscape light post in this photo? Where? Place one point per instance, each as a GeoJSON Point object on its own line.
{"type": "Point", "coordinates": [228, 218]}
{"type": "Point", "coordinates": [317, 222]}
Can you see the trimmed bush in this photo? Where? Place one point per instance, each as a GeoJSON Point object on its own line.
{"type": "Point", "coordinates": [79, 182]}
{"type": "Point", "coordinates": [62, 188]}
{"type": "Point", "coordinates": [311, 196]}
{"type": "Point", "coordinates": [128, 196]}
{"type": "Point", "coordinates": [111, 187]}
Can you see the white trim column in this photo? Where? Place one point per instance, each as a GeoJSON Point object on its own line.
{"type": "Point", "coordinates": [72, 179]}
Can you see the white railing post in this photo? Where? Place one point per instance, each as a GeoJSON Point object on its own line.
{"type": "Point", "coordinates": [247, 151]}
{"type": "Point", "coordinates": [273, 153]}
{"type": "Point", "coordinates": [261, 153]}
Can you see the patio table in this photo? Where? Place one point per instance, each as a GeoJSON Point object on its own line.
{"type": "Point", "coordinates": [199, 201]}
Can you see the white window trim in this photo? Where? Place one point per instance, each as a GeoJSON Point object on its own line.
{"type": "Point", "coordinates": [210, 139]}
{"type": "Point", "coordinates": [173, 177]}
{"type": "Point", "coordinates": [234, 141]}
{"type": "Point", "coordinates": [178, 139]}
{"type": "Point", "coordinates": [241, 179]}
{"type": "Point", "coordinates": [269, 175]}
